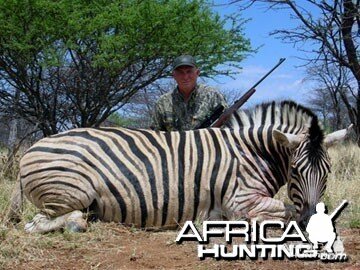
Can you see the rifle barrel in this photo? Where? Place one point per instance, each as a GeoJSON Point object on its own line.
{"type": "Point", "coordinates": [262, 78]}
{"type": "Point", "coordinates": [237, 104]}
{"type": "Point", "coordinates": [267, 74]}
{"type": "Point", "coordinates": [338, 209]}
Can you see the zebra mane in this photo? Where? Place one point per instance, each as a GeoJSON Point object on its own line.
{"type": "Point", "coordinates": [287, 116]}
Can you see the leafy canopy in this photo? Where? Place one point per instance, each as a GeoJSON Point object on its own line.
{"type": "Point", "coordinates": [76, 61]}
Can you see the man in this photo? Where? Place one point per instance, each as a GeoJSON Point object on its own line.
{"type": "Point", "coordinates": [321, 228]}
{"type": "Point", "coordinates": [190, 103]}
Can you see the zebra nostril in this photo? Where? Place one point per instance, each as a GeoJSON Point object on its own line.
{"type": "Point", "coordinates": [305, 216]}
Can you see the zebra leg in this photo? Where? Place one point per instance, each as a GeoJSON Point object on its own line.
{"type": "Point", "coordinates": [216, 214]}
{"type": "Point", "coordinates": [266, 208]}
{"type": "Point", "coordinates": [72, 221]}
{"type": "Point", "coordinates": [60, 200]}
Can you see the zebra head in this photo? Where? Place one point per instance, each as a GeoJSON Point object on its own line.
{"type": "Point", "coordinates": [309, 166]}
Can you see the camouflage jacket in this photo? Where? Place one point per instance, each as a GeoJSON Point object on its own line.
{"type": "Point", "coordinates": [173, 113]}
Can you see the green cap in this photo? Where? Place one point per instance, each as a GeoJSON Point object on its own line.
{"type": "Point", "coordinates": [184, 60]}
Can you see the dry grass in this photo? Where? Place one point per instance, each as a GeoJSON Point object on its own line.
{"type": "Point", "coordinates": [343, 184]}
{"type": "Point", "coordinates": [17, 247]}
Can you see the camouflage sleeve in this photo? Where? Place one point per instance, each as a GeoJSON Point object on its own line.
{"type": "Point", "coordinates": [222, 101]}
{"type": "Point", "coordinates": [218, 99]}
{"type": "Point", "coordinates": [157, 118]}
{"type": "Point", "coordinates": [210, 105]}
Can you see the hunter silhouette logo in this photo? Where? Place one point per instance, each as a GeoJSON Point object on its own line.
{"type": "Point", "coordinates": [321, 228]}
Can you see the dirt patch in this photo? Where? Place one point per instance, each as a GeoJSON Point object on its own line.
{"type": "Point", "coordinates": [111, 246]}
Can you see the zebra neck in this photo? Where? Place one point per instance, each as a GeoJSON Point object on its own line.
{"type": "Point", "coordinates": [262, 159]}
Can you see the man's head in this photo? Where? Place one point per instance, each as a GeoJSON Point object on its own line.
{"type": "Point", "coordinates": [185, 73]}
{"type": "Point", "coordinates": [320, 207]}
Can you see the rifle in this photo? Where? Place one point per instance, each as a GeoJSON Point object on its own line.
{"type": "Point", "coordinates": [222, 116]}
{"type": "Point", "coordinates": [338, 209]}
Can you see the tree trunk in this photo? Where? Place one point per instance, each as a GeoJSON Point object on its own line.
{"type": "Point", "coordinates": [14, 124]}
{"type": "Point", "coordinates": [357, 127]}
{"type": "Point", "coordinates": [348, 20]}
{"type": "Point", "coordinates": [337, 111]}
{"type": "Point", "coordinates": [12, 140]}
{"type": "Point", "coordinates": [13, 133]}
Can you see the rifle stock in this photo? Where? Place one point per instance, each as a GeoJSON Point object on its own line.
{"type": "Point", "coordinates": [237, 104]}
{"type": "Point", "coordinates": [218, 111]}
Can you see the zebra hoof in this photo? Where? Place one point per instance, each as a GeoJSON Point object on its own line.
{"type": "Point", "coordinates": [75, 222]}
{"type": "Point", "coordinates": [76, 226]}
{"type": "Point", "coordinates": [29, 227]}
{"type": "Point", "coordinates": [32, 227]}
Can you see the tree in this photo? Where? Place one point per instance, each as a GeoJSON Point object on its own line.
{"type": "Point", "coordinates": [331, 93]}
{"type": "Point", "coordinates": [75, 62]}
{"type": "Point", "coordinates": [332, 29]}
{"type": "Point", "coordinates": [140, 107]}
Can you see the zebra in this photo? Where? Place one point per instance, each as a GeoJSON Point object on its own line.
{"type": "Point", "coordinates": [155, 179]}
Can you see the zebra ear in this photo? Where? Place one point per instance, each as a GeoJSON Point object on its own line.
{"type": "Point", "coordinates": [287, 139]}
{"type": "Point", "coordinates": [337, 136]}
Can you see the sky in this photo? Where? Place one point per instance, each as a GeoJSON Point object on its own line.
{"type": "Point", "coordinates": [288, 80]}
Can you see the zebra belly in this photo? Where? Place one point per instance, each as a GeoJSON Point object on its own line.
{"type": "Point", "coordinates": [166, 213]}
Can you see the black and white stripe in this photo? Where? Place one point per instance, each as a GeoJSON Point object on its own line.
{"type": "Point", "coordinates": [161, 179]}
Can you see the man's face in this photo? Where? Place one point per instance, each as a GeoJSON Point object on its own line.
{"type": "Point", "coordinates": [186, 77]}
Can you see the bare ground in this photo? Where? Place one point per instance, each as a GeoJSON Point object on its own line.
{"type": "Point", "coordinates": [112, 246]}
